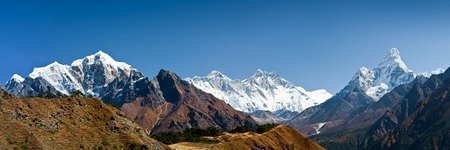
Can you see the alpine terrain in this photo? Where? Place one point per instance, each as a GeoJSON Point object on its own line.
{"type": "Point", "coordinates": [265, 95]}
{"type": "Point", "coordinates": [160, 104]}
{"type": "Point", "coordinates": [366, 87]}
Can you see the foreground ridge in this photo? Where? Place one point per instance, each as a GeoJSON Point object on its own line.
{"type": "Point", "coordinates": [68, 123]}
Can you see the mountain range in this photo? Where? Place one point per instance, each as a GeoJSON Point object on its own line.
{"type": "Point", "coordinates": [263, 92]}
{"type": "Point", "coordinates": [161, 104]}
{"type": "Point", "coordinates": [368, 86]}
{"type": "Point", "coordinates": [385, 107]}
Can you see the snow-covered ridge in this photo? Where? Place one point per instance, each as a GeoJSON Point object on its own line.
{"type": "Point", "coordinates": [17, 78]}
{"type": "Point", "coordinates": [101, 56]}
{"type": "Point", "coordinates": [430, 73]}
{"type": "Point", "coordinates": [86, 75]}
{"type": "Point", "coordinates": [263, 90]}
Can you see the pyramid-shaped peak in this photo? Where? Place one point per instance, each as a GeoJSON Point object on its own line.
{"type": "Point", "coordinates": [393, 55]}
{"type": "Point", "coordinates": [394, 52]}
{"type": "Point", "coordinates": [393, 60]}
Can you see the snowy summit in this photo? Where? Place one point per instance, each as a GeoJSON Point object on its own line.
{"type": "Point", "coordinates": [88, 75]}
{"type": "Point", "coordinates": [387, 75]}
{"type": "Point", "coordinates": [265, 91]}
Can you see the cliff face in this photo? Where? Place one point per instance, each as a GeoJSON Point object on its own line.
{"type": "Point", "coordinates": [68, 123]}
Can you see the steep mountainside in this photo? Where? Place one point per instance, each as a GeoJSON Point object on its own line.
{"type": "Point", "coordinates": [281, 137]}
{"type": "Point", "coordinates": [419, 121]}
{"type": "Point", "coordinates": [263, 91]}
{"type": "Point", "coordinates": [68, 123]}
{"type": "Point", "coordinates": [182, 106]}
{"type": "Point", "coordinates": [366, 88]}
{"type": "Point", "coordinates": [164, 103]}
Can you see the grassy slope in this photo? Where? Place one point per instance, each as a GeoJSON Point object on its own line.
{"type": "Point", "coordinates": [68, 123]}
{"type": "Point", "coordinates": [281, 137]}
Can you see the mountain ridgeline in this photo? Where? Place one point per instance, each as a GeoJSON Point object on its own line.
{"type": "Point", "coordinates": [385, 107]}
{"type": "Point", "coordinates": [412, 116]}
{"type": "Point", "coordinates": [366, 88]}
{"type": "Point", "coordinates": [161, 104]}
{"type": "Point", "coordinates": [265, 95]}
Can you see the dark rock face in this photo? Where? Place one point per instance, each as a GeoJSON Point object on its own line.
{"type": "Point", "coordinates": [30, 87]}
{"type": "Point", "coordinates": [332, 112]}
{"type": "Point", "coordinates": [182, 106]}
{"type": "Point", "coordinates": [412, 116]}
{"type": "Point", "coordinates": [419, 121]}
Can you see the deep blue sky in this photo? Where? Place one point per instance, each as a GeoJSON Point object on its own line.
{"type": "Point", "coordinates": [312, 44]}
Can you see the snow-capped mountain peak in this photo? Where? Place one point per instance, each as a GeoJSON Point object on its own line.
{"type": "Point", "coordinates": [261, 73]}
{"type": "Point", "coordinates": [263, 90]}
{"type": "Point", "coordinates": [216, 74]}
{"type": "Point", "coordinates": [88, 75]}
{"type": "Point", "coordinates": [51, 68]}
{"type": "Point", "coordinates": [17, 78]}
{"type": "Point", "coordinates": [103, 58]}
{"type": "Point", "coordinates": [266, 78]}
{"type": "Point", "coordinates": [393, 60]}
{"type": "Point", "coordinates": [390, 73]}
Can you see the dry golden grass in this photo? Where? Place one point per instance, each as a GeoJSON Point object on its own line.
{"type": "Point", "coordinates": [281, 137]}
{"type": "Point", "coordinates": [68, 123]}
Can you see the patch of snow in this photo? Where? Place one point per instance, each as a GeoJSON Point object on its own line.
{"type": "Point", "coordinates": [318, 126]}
{"type": "Point", "coordinates": [17, 78]}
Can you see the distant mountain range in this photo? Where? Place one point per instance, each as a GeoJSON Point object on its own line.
{"type": "Point", "coordinates": [162, 104]}
{"type": "Point", "coordinates": [262, 92]}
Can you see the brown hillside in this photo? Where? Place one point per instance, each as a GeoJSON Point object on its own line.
{"type": "Point", "coordinates": [174, 105]}
{"type": "Point", "coordinates": [68, 123]}
{"type": "Point", "coordinates": [281, 137]}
